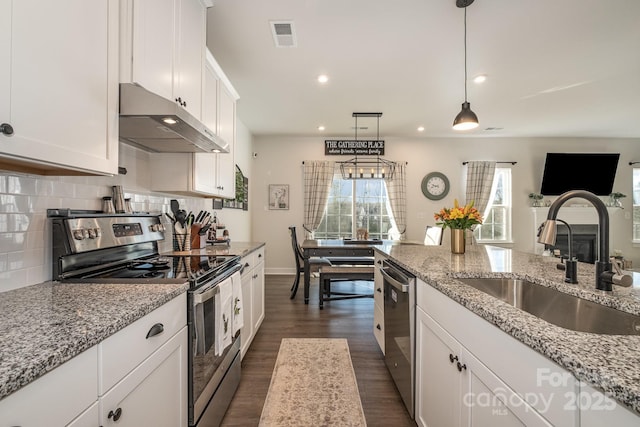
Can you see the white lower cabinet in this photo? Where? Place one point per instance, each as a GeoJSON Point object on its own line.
{"type": "Point", "coordinates": [378, 300]}
{"type": "Point", "coordinates": [135, 377]}
{"type": "Point", "coordinates": [143, 370]}
{"type": "Point", "coordinates": [154, 393]}
{"type": "Point", "coordinates": [253, 295]}
{"type": "Point", "coordinates": [57, 398]}
{"type": "Point", "coordinates": [470, 373]}
{"type": "Point", "coordinates": [87, 418]}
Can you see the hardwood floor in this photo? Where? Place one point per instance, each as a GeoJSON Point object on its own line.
{"type": "Point", "coordinates": [285, 318]}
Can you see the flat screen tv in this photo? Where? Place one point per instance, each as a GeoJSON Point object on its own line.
{"type": "Point", "coordinates": [594, 172]}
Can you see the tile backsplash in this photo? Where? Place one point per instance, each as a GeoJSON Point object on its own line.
{"type": "Point", "coordinates": [25, 235]}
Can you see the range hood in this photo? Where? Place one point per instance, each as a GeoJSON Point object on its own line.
{"type": "Point", "coordinates": [159, 125]}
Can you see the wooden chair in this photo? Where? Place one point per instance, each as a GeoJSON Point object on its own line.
{"type": "Point", "coordinates": [314, 262]}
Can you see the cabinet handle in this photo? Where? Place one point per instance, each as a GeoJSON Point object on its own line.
{"type": "Point", "coordinates": [259, 255]}
{"type": "Point", "coordinates": [6, 128]}
{"type": "Point", "coordinates": [184, 104]}
{"type": "Point", "coordinates": [378, 327]}
{"type": "Point", "coordinates": [379, 290]}
{"type": "Point", "coordinates": [461, 367]}
{"type": "Point", "coordinates": [452, 358]}
{"type": "Point", "coordinates": [115, 414]}
{"type": "Point", "coordinates": [156, 329]}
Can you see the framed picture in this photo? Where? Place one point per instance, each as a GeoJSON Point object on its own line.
{"type": "Point", "coordinates": [279, 196]}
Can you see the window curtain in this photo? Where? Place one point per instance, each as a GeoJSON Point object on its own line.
{"type": "Point", "coordinates": [397, 192]}
{"type": "Point", "coordinates": [479, 182]}
{"type": "Point", "coordinates": [318, 176]}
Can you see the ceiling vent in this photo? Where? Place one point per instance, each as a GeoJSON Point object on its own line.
{"type": "Point", "coordinates": [283, 33]}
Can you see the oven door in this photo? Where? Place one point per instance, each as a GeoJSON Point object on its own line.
{"type": "Point", "coordinates": [208, 362]}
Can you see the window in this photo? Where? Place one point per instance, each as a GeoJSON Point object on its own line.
{"type": "Point", "coordinates": [496, 226]}
{"type": "Point", "coordinates": [636, 205]}
{"type": "Point", "coordinates": [353, 204]}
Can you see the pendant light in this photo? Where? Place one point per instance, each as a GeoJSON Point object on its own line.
{"type": "Point", "coordinates": [466, 119]}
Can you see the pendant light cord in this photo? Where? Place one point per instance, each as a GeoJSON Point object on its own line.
{"type": "Point", "coordinates": [465, 54]}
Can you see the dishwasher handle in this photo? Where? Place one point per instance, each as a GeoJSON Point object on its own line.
{"type": "Point", "coordinates": [402, 287]}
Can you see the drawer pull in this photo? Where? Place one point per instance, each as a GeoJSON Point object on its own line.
{"type": "Point", "coordinates": [115, 414]}
{"type": "Point", "coordinates": [379, 290]}
{"type": "Point", "coordinates": [461, 367]}
{"type": "Point", "coordinates": [378, 327]}
{"type": "Point", "coordinates": [156, 329]}
{"type": "Point", "coordinates": [452, 358]}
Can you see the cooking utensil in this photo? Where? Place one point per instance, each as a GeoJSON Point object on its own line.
{"type": "Point", "coordinates": [175, 206]}
{"type": "Point", "coordinates": [181, 217]}
{"type": "Point", "coordinates": [170, 217]}
{"type": "Point", "coordinates": [199, 217]}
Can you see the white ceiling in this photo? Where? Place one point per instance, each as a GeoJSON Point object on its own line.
{"type": "Point", "coordinates": [556, 68]}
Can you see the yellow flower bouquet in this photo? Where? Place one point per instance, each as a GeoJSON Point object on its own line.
{"type": "Point", "coordinates": [458, 217]}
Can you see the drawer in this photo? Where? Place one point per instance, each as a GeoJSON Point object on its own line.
{"type": "Point", "coordinates": [342, 252]}
{"type": "Point", "coordinates": [378, 295]}
{"type": "Point", "coordinates": [57, 397]}
{"type": "Point", "coordinates": [122, 352]}
{"type": "Point", "coordinates": [252, 259]}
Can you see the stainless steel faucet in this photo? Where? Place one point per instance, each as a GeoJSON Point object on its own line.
{"type": "Point", "coordinates": [604, 276]}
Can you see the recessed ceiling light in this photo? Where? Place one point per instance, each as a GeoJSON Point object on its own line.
{"type": "Point", "coordinates": [480, 78]}
{"type": "Point", "coordinates": [323, 78]}
{"type": "Point", "coordinates": [420, 128]}
{"type": "Point", "coordinates": [320, 127]}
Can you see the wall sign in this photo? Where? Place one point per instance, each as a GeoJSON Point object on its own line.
{"type": "Point", "coordinates": [333, 147]}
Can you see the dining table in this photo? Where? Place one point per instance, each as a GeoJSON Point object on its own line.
{"type": "Point", "coordinates": [338, 251]}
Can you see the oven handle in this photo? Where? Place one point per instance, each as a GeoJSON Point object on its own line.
{"type": "Point", "coordinates": [206, 295]}
{"type": "Point", "coordinates": [402, 287]}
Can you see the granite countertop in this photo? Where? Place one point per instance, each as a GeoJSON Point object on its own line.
{"type": "Point", "coordinates": [44, 325]}
{"type": "Point", "coordinates": [233, 248]}
{"type": "Point", "coordinates": [610, 363]}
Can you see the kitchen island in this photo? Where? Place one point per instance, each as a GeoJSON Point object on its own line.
{"type": "Point", "coordinates": [608, 363]}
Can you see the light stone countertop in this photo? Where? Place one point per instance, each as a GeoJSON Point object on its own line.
{"type": "Point", "coordinates": [610, 363]}
{"type": "Point", "coordinates": [44, 325]}
{"type": "Point", "coordinates": [233, 248]}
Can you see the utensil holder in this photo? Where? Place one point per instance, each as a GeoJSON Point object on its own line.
{"type": "Point", "coordinates": [182, 241]}
{"type": "Point", "coordinates": [118, 199]}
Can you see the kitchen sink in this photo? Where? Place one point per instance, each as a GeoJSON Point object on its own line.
{"type": "Point", "coordinates": [556, 307]}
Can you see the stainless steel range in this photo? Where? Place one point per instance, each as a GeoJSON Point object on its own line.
{"type": "Point", "coordinates": [90, 246]}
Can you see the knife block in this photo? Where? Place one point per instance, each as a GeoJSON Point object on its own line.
{"type": "Point", "coordinates": [197, 241]}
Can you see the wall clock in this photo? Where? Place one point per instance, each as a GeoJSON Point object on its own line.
{"type": "Point", "coordinates": [435, 186]}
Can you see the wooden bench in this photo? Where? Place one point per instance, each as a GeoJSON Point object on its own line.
{"type": "Point", "coordinates": [345, 273]}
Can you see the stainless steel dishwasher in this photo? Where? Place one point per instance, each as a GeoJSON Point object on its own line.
{"type": "Point", "coordinates": [399, 329]}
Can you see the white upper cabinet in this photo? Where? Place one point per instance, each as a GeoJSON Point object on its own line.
{"type": "Point", "coordinates": [219, 115]}
{"type": "Point", "coordinates": [59, 86]}
{"type": "Point", "coordinates": [163, 49]}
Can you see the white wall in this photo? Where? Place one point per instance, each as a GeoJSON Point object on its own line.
{"type": "Point", "coordinates": [279, 161]}
{"type": "Point", "coordinates": [25, 241]}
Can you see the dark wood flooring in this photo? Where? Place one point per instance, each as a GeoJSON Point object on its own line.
{"type": "Point", "coordinates": [286, 318]}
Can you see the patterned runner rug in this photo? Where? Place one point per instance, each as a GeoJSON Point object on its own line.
{"type": "Point", "coordinates": [313, 384]}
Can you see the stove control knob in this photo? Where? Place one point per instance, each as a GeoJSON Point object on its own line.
{"type": "Point", "coordinates": [85, 233]}
{"type": "Point", "coordinates": [98, 232]}
{"type": "Point", "coordinates": [77, 234]}
{"type": "Point", "coordinates": [92, 233]}
{"type": "Point", "coordinates": [153, 227]}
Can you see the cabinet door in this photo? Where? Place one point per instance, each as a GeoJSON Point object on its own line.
{"type": "Point", "coordinates": [190, 45]}
{"type": "Point", "coordinates": [438, 382]}
{"type": "Point", "coordinates": [88, 418]}
{"type": "Point", "coordinates": [153, 43]}
{"type": "Point", "coordinates": [488, 401]}
{"type": "Point", "coordinates": [378, 298]}
{"type": "Point", "coordinates": [63, 101]}
{"type": "Point", "coordinates": [246, 333]}
{"type": "Point", "coordinates": [257, 296]}
{"type": "Point", "coordinates": [154, 393]}
{"type": "Point", "coordinates": [226, 173]}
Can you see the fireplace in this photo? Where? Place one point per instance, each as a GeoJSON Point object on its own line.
{"type": "Point", "coordinates": [585, 241]}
